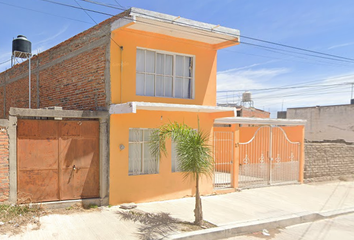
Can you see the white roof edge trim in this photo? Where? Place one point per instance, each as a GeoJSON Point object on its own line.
{"type": "Point", "coordinates": [121, 22]}
{"type": "Point", "coordinates": [259, 121]}
{"type": "Point", "coordinates": [132, 107]}
{"type": "Point", "coordinates": [184, 22]}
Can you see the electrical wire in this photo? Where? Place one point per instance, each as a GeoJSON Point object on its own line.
{"type": "Point", "coordinates": [105, 5]}
{"type": "Point", "coordinates": [340, 58]}
{"type": "Point", "coordinates": [73, 19]}
{"type": "Point", "coordinates": [1, 63]}
{"type": "Point", "coordinates": [97, 23]}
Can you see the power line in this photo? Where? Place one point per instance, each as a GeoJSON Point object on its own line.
{"type": "Point", "coordinates": [85, 9]}
{"type": "Point", "coordinates": [291, 87]}
{"type": "Point", "coordinates": [86, 12]}
{"type": "Point", "coordinates": [96, 24]}
{"type": "Point", "coordinates": [43, 12]}
{"type": "Point", "coordinates": [306, 54]}
{"type": "Point", "coordinates": [186, 24]}
{"type": "Point", "coordinates": [297, 48]}
{"type": "Point", "coordinates": [1, 63]}
{"type": "Point", "coordinates": [105, 5]}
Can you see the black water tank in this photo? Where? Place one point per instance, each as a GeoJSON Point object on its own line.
{"type": "Point", "coordinates": [21, 45]}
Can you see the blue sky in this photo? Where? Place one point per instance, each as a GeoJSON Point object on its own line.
{"type": "Point", "coordinates": [318, 25]}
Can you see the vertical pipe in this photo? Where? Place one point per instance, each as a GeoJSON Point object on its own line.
{"type": "Point", "coordinates": [29, 82]}
{"type": "Point", "coordinates": [270, 153]}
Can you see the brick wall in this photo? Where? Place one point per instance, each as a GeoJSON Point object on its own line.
{"type": "Point", "coordinates": [328, 161]}
{"type": "Point", "coordinates": [254, 113]}
{"type": "Point", "coordinates": [74, 74]}
{"type": "Point", "coordinates": [4, 165]}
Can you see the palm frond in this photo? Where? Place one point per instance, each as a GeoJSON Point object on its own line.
{"type": "Point", "coordinates": [194, 154]}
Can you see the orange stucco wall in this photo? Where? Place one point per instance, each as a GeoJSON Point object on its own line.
{"type": "Point", "coordinates": [123, 83]}
{"type": "Point", "coordinates": [150, 187]}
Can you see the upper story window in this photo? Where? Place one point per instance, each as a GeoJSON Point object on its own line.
{"type": "Point", "coordinates": [163, 74]}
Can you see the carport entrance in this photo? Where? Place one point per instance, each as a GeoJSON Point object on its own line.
{"type": "Point", "coordinates": [246, 156]}
{"type": "Point", "coordinates": [57, 160]}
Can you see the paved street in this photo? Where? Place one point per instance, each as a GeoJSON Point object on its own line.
{"type": "Point", "coordinates": [341, 227]}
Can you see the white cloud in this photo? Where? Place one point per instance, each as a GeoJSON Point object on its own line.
{"type": "Point", "coordinates": [280, 99]}
{"type": "Point", "coordinates": [42, 45]}
{"type": "Point", "coordinates": [341, 45]}
{"type": "Point", "coordinates": [238, 79]}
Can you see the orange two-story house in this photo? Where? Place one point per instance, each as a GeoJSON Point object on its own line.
{"type": "Point", "coordinates": [163, 69]}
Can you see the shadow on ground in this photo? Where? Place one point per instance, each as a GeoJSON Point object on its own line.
{"type": "Point", "coordinates": [155, 225]}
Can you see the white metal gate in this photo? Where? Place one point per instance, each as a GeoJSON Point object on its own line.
{"type": "Point", "coordinates": [223, 159]}
{"type": "Point", "coordinates": [269, 158]}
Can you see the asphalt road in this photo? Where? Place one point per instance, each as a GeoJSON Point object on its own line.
{"type": "Point", "coordinates": [341, 227]}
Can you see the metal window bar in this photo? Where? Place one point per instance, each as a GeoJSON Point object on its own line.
{"type": "Point", "coordinates": [223, 159]}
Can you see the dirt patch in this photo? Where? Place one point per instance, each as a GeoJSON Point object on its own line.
{"type": "Point", "coordinates": [14, 219]}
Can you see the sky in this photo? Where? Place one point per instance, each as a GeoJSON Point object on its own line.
{"type": "Point", "coordinates": [277, 77]}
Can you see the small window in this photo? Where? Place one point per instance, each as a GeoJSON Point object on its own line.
{"type": "Point", "coordinates": [163, 74]}
{"type": "Point", "coordinates": [140, 159]}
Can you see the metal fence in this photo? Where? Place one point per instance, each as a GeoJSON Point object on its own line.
{"type": "Point", "coordinates": [223, 157]}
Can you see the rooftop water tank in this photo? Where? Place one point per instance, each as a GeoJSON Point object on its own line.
{"type": "Point", "coordinates": [246, 97]}
{"type": "Point", "coordinates": [21, 47]}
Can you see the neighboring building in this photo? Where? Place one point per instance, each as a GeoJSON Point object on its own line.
{"type": "Point", "coordinates": [247, 111]}
{"type": "Point", "coordinates": [326, 122]}
{"type": "Point", "coordinates": [329, 149]}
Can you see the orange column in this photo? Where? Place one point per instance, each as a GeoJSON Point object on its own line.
{"type": "Point", "coordinates": [236, 161]}
{"type": "Point", "coordinates": [302, 158]}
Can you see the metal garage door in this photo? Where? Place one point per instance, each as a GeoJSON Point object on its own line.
{"type": "Point", "coordinates": [57, 160]}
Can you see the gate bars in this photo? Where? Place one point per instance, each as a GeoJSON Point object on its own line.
{"type": "Point", "coordinates": [269, 158]}
{"type": "Point", "coordinates": [223, 157]}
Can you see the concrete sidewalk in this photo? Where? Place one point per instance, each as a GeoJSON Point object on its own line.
{"type": "Point", "coordinates": [233, 213]}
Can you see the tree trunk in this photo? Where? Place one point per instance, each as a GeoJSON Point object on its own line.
{"type": "Point", "coordinates": [198, 213]}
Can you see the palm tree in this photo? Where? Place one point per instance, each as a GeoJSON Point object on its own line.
{"type": "Point", "coordinates": [194, 155]}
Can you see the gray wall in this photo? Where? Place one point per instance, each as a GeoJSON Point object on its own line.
{"type": "Point", "coordinates": [326, 122]}
{"type": "Point", "coordinates": [328, 161]}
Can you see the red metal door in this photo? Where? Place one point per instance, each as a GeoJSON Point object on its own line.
{"type": "Point", "coordinates": [58, 160]}
{"type": "Point", "coordinates": [37, 153]}
{"type": "Point", "coordinates": [79, 160]}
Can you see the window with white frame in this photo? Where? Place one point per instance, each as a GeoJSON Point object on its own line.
{"type": "Point", "coordinates": [140, 159]}
{"type": "Point", "coordinates": [162, 74]}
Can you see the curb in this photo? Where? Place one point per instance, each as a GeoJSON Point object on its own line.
{"type": "Point", "coordinates": [232, 230]}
